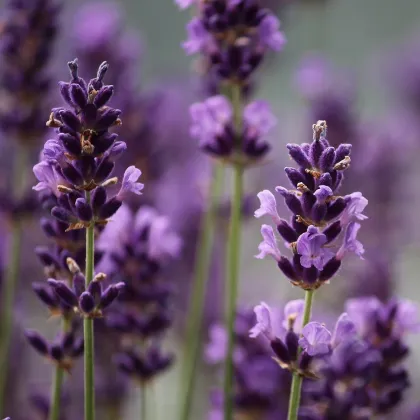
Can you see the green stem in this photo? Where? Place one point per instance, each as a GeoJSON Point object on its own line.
{"type": "Point", "coordinates": [233, 257]}
{"type": "Point", "coordinates": [12, 273]}
{"type": "Point", "coordinates": [296, 386]}
{"type": "Point", "coordinates": [143, 401]}
{"type": "Point", "coordinates": [192, 347]}
{"type": "Point", "coordinates": [54, 413]}
{"type": "Point", "coordinates": [88, 327]}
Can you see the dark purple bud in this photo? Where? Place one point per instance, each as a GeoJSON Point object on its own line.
{"type": "Point", "coordinates": [297, 266]}
{"type": "Point", "coordinates": [330, 269]}
{"type": "Point", "coordinates": [107, 119]}
{"type": "Point", "coordinates": [304, 361]}
{"type": "Point", "coordinates": [72, 174]}
{"type": "Point", "coordinates": [78, 348]}
{"type": "Point", "coordinates": [45, 294]}
{"type": "Point", "coordinates": [48, 227]}
{"type": "Point", "coordinates": [124, 363]}
{"type": "Point", "coordinates": [235, 56]}
{"type": "Point", "coordinates": [83, 209]}
{"type": "Point", "coordinates": [95, 290]}
{"type": "Point", "coordinates": [287, 268]}
{"type": "Point", "coordinates": [86, 302]}
{"type": "Point", "coordinates": [109, 208]}
{"type": "Point", "coordinates": [56, 352]}
{"type": "Point", "coordinates": [103, 96]}
{"type": "Point", "coordinates": [325, 179]}
{"type": "Point", "coordinates": [327, 159]}
{"type": "Point", "coordinates": [295, 177]}
{"type": "Point", "coordinates": [292, 343]}
{"type": "Point", "coordinates": [37, 342]}
{"type": "Point", "coordinates": [44, 254]}
{"type": "Point", "coordinates": [87, 167]}
{"type": "Point", "coordinates": [310, 275]}
{"type": "Point", "coordinates": [335, 208]}
{"type": "Point", "coordinates": [98, 198]}
{"type": "Point", "coordinates": [63, 292]}
{"type": "Point", "coordinates": [286, 231]}
{"type": "Point", "coordinates": [315, 152]}
{"type": "Point", "coordinates": [103, 170]}
{"type": "Point", "coordinates": [332, 231]}
{"type": "Point", "coordinates": [342, 151]}
{"type": "Point", "coordinates": [299, 156]}
{"type": "Point", "coordinates": [62, 215]}
{"type": "Point", "coordinates": [104, 142]}
{"type": "Point", "coordinates": [65, 91]}
{"type": "Point", "coordinates": [70, 143]}
{"type": "Point", "coordinates": [308, 200]}
{"type": "Point", "coordinates": [292, 202]}
{"type": "Point", "coordinates": [117, 149]}
{"type": "Point", "coordinates": [280, 350]}
{"type": "Point", "coordinates": [319, 211]}
{"type": "Point", "coordinates": [78, 95]}
{"type": "Point", "coordinates": [79, 284]}
{"type": "Point", "coordinates": [109, 295]}
{"type": "Point", "coordinates": [71, 120]}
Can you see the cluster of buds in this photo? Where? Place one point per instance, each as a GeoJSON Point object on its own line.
{"type": "Point", "coordinates": [319, 213]}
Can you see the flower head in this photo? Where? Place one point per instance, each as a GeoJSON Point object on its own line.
{"type": "Point", "coordinates": [315, 339]}
{"type": "Point", "coordinates": [268, 246]}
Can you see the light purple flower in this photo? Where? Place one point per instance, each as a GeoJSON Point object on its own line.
{"type": "Point", "coordinates": [315, 339]}
{"type": "Point", "coordinates": [323, 192]}
{"type": "Point", "coordinates": [356, 203]}
{"type": "Point", "coordinates": [48, 178]}
{"type": "Point", "coordinates": [268, 206]}
{"type": "Point", "coordinates": [163, 241]}
{"type": "Point", "coordinates": [184, 4]}
{"type": "Point", "coordinates": [361, 312]}
{"type": "Point", "coordinates": [259, 119]}
{"type": "Point", "coordinates": [270, 34]}
{"type": "Point", "coordinates": [350, 242]}
{"type": "Point", "coordinates": [268, 246]}
{"type": "Point", "coordinates": [344, 329]}
{"type": "Point", "coordinates": [264, 322]}
{"type": "Point", "coordinates": [199, 40]}
{"type": "Point", "coordinates": [310, 247]}
{"type": "Point", "coordinates": [407, 319]}
{"type": "Point", "coordinates": [129, 183]}
{"type": "Point", "coordinates": [215, 351]}
{"type": "Point", "coordinates": [209, 118]}
{"type": "Point", "coordinates": [294, 311]}
{"type": "Point", "coordinates": [53, 150]}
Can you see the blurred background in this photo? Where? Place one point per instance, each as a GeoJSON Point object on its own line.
{"type": "Point", "coordinates": [355, 64]}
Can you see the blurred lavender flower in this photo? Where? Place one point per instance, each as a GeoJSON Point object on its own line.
{"type": "Point", "coordinates": [261, 389]}
{"type": "Point", "coordinates": [136, 247]}
{"type": "Point", "coordinates": [319, 213]}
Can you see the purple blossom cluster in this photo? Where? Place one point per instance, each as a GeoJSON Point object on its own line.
{"type": "Point", "coordinates": [260, 389]}
{"type": "Point", "coordinates": [358, 370]}
{"type": "Point", "coordinates": [137, 247]}
{"type": "Point", "coordinates": [319, 213]}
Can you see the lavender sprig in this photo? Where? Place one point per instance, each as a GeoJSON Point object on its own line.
{"type": "Point", "coordinates": [77, 170]}
{"type": "Point", "coordinates": [28, 33]}
{"type": "Point", "coordinates": [232, 38]}
{"type": "Point", "coordinates": [319, 216]}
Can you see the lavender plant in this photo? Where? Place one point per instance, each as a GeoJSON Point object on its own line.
{"type": "Point", "coordinates": [28, 34]}
{"type": "Point", "coordinates": [232, 38]}
{"type": "Point", "coordinates": [358, 371]}
{"type": "Point", "coordinates": [319, 216]}
{"type": "Point", "coordinates": [78, 171]}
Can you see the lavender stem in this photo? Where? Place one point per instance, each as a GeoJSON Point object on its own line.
{"type": "Point", "coordinates": [192, 348]}
{"type": "Point", "coordinates": [88, 326]}
{"type": "Point", "coordinates": [233, 258]}
{"type": "Point", "coordinates": [295, 389]}
{"type": "Point", "coordinates": [12, 274]}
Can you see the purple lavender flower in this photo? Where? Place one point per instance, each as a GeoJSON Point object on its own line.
{"type": "Point", "coordinates": [315, 339]}
{"type": "Point", "coordinates": [268, 246]}
{"type": "Point", "coordinates": [319, 213]}
{"type": "Point", "coordinates": [136, 249]}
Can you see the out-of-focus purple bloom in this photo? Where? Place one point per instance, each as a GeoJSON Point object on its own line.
{"type": "Point", "coordinates": [268, 246]}
{"type": "Point", "coordinates": [344, 329]}
{"type": "Point", "coordinates": [315, 339]}
{"type": "Point", "coordinates": [184, 4]}
{"type": "Point", "coordinates": [259, 119]}
{"type": "Point", "coordinates": [310, 247]}
{"type": "Point", "coordinates": [198, 40]}
{"type": "Point", "coordinates": [270, 34]}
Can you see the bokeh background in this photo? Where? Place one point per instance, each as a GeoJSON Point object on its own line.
{"type": "Point", "coordinates": [369, 47]}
